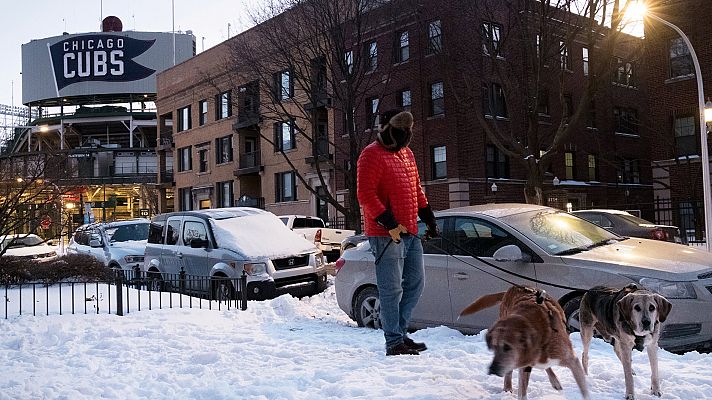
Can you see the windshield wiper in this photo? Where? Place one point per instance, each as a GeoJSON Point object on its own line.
{"type": "Point", "coordinates": [577, 250]}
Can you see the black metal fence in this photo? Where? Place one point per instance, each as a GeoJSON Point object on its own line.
{"type": "Point", "coordinates": [686, 215]}
{"type": "Point", "coordinates": [129, 291]}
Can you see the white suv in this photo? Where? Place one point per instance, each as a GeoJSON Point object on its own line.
{"type": "Point", "coordinates": [119, 245]}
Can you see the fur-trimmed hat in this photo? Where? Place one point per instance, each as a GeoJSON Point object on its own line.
{"type": "Point", "coordinates": [402, 120]}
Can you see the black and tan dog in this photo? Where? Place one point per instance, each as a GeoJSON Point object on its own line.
{"type": "Point", "coordinates": [530, 332]}
{"type": "Point", "coordinates": [628, 318]}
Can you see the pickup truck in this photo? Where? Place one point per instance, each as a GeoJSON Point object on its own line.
{"type": "Point", "coordinates": [314, 229]}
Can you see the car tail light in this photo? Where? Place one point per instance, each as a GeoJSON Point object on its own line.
{"type": "Point", "coordinates": [317, 236]}
{"type": "Point", "coordinates": [337, 266]}
{"type": "Point", "coordinates": [659, 234]}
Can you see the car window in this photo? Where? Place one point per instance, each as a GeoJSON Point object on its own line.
{"type": "Point", "coordinates": [155, 232]}
{"type": "Point", "coordinates": [605, 222]}
{"type": "Point", "coordinates": [285, 220]}
{"type": "Point", "coordinates": [474, 236]}
{"type": "Point", "coordinates": [636, 220]}
{"type": "Point", "coordinates": [21, 241]}
{"type": "Point", "coordinates": [173, 231]}
{"type": "Point", "coordinates": [315, 223]}
{"type": "Point", "coordinates": [435, 245]}
{"type": "Point", "coordinates": [125, 233]}
{"type": "Point", "coordinates": [94, 234]}
{"type": "Point", "coordinates": [299, 223]}
{"type": "Point", "coordinates": [194, 230]}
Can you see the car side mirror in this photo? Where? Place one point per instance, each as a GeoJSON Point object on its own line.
{"type": "Point", "coordinates": [198, 243]}
{"type": "Point", "coordinates": [95, 243]}
{"type": "Point", "coordinates": [50, 243]}
{"type": "Point", "coordinates": [510, 252]}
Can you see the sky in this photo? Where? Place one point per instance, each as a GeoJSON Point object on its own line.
{"type": "Point", "coordinates": [277, 349]}
{"type": "Point", "coordinates": [22, 21]}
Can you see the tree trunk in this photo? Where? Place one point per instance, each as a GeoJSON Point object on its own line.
{"type": "Point", "coordinates": [533, 191]}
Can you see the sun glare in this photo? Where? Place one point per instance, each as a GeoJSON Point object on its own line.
{"type": "Point", "coordinates": [636, 10]}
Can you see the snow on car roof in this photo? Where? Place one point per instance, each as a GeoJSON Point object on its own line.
{"type": "Point", "coordinates": [606, 211]}
{"type": "Point", "coordinates": [497, 210]}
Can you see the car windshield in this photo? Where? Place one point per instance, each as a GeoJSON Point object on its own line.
{"type": "Point", "coordinates": [125, 233]}
{"type": "Point", "coordinates": [560, 233]}
{"type": "Point", "coordinates": [635, 220]}
{"type": "Point", "coordinates": [22, 242]}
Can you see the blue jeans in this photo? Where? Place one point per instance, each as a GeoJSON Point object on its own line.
{"type": "Point", "coordinates": [400, 276]}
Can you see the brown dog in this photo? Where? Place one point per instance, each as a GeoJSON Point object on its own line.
{"type": "Point", "coordinates": [530, 332]}
{"type": "Point", "coordinates": [628, 318]}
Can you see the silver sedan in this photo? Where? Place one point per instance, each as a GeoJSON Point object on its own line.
{"type": "Point", "coordinates": [485, 249]}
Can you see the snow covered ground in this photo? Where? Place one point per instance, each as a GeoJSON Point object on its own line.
{"type": "Point", "coordinates": [282, 349]}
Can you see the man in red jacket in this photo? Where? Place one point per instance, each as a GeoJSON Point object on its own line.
{"type": "Point", "coordinates": [389, 191]}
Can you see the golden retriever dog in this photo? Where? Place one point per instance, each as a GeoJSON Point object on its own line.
{"type": "Point", "coordinates": [628, 318]}
{"type": "Point", "coordinates": [530, 332]}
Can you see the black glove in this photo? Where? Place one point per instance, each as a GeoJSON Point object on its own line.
{"type": "Point", "coordinates": [426, 215]}
{"type": "Point", "coordinates": [387, 220]}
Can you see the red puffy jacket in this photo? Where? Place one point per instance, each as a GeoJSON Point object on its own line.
{"type": "Point", "coordinates": [389, 180]}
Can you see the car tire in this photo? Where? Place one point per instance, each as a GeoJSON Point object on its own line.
{"type": "Point", "coordinates": [223, 290]}
{"type": "Point", "coordinates": [367, 308]}
{"type": "Point", "coordinates": [571, 312]}
{"type": "Point", "coordinates": [154, 281]}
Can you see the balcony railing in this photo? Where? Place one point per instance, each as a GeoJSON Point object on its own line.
{"type": "Point", "coordinates": [250, 160]}
{"type": "Point", "coordinates": [247, 201]}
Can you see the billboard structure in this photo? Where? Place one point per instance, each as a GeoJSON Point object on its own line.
{"type": "Point", "coordinates": [96, 67]}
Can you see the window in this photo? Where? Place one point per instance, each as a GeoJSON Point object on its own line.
{"type": "Point", "coordinates": [203, 110]}
{"type": "Point", "coordinates": [223, 105]}
{"type": "Point", "coordinates": [404, 99]}
{"type": "Point", "coordinates": [437, 99]}
{"type": "Point", "coordinates": [564, 55]}
{"type": "Point", "coordinates": [155, 232]}
{"type": "Point", "coordinates": [402, 47]}
{"type": "Point", "coordinates": [439, 162]}
{"type": "Point", "coordinates": [629, 171]}
{"type": "Point", "coordinates": [591, 115]}
{"type": "Point", "coordinates": [490, 38]}
{"type": "Point", "coordinates": [497, 164]}
{"type": "Point", "coordinates": [186, 199]}
{"type": "Point", "coordinates": [285, 187]}
{"type": "Point", "coordinates": [372, 113]}
{"type": "Point", "coordinates": [680, 59]}
{"type": "Point", "coordinates": [349, 62]}
{"type": "Point", "coordinates": [584, 54]}
{"type": "Point", "coordinates": [249, 100]}
{"type": "Point", "coordinates": [592, 168]}
{"type": "Point", "coordinates": [435, 37]}
{"type": "Point", "coordinates": [569, 164]}
{"type": "Point", "coordinates": [493, 101]}
{"type": "Point", "coordinates": [685, 136]}
{"type": "Point", "coordinates": [624, 73]}
{"type": "Point", "coordinates": [223, 149]}
{"type": "Point", "coordinates": [224, 194]}
{"type": "Point", "coordinates": [473, 236]}
{"type": "Point", "coordinates": [185, 161]}
{"type": "Point", "coordinates": [203, 160]}
{"type": "Point", "coordinates": [184, 119]}
{"type": "Point", "coordinates": [173, 231]}
{"type": "Point", "coordinates": [568, 107]}
{"type": "Point", "coordinates": [284, 136]}
{"type": "Point", "coordinates": [625, 120]}
{"type": "Point", "coordinates": [542, 107]}
{"type": "Point", "coordinates": [193, 230]}
{"type": "Point", "coordinates": [284, 85]}
{"type": "Point", "coordinates": [434, 245]}
{"type": "Point", "coordinates": [372, 56]}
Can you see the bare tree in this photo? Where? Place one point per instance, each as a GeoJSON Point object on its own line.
{"type": "Point", "coordinates": [311, 61]}
{"type": "Point", "coordinates": [527, 51]}
{"type": "Point", "coordinates": [30, 200]}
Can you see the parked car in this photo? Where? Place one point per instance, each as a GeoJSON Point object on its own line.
{"type": "Point", "coordinates": [627, 224]}
{"type": "Point", "coordinates": [119, 245]}
{"type": "Point", "coordinates": [219, 244]}
{"type": "Point", "coordinates": [541, 247]}
{"type": "Point", "coordinates": [352, 241]}
{"type": "Point", "coordinates": [314, 229]}
{"type": "Point", "coordinates": [27, 245]}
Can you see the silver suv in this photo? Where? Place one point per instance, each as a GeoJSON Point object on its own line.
{"type": "Point", "coordinates": [212, 247]}
{"type": "Point", "coordinates": [118, 245]}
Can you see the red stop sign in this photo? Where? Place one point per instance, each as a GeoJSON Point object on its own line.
{"type": "Point", "coordinates": [46, 222]}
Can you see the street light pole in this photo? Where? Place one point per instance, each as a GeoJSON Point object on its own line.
{"type": "Point", "coordinates": [707, 195]}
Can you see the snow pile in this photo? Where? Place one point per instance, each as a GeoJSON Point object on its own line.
{"type": "Point", "coordinates": [284, 349]}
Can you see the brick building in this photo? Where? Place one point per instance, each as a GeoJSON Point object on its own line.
{"type": "Point", "coordinates": [674, 112]}
{"type": "Point", "coordinates": [422, 53]}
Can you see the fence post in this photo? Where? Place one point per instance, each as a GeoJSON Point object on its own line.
{"type": "Point", "coordinates": [181, 280]}
{"type": "Point", "coordinates": [119, 292]}
{"type": "Point", "coordinates": [243, 291]}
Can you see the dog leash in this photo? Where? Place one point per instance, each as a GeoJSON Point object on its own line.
{"type": "Point", "coordinates": [468, 253]}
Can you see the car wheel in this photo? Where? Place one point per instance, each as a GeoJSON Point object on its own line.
{"type": "Point", "coordinates": [223, 290]}
{"type": "Point", "coordinates": [571, 311]}
{"type": "Point", "coordinates": [368, 308]}
{"type": "Point", "coordinates": [154, 281]}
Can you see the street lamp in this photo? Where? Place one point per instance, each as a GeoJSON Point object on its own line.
{"type": "Point", "coordinates": [704, 115]}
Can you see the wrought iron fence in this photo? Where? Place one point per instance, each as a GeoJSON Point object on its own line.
{"type": "Point", "coordinates": [129, 291]}
{"type": "Point", "coordinates": [688, 216]}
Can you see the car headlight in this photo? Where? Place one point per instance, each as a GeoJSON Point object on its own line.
{"type": "Point", "coordinates": [133, 259]}
{"type": "Point", "coordinates": [255, 268]}
{"type": "Point", "coordinates": [319, 259]}
{"type": "Point", "coordinates": [669, 289]}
